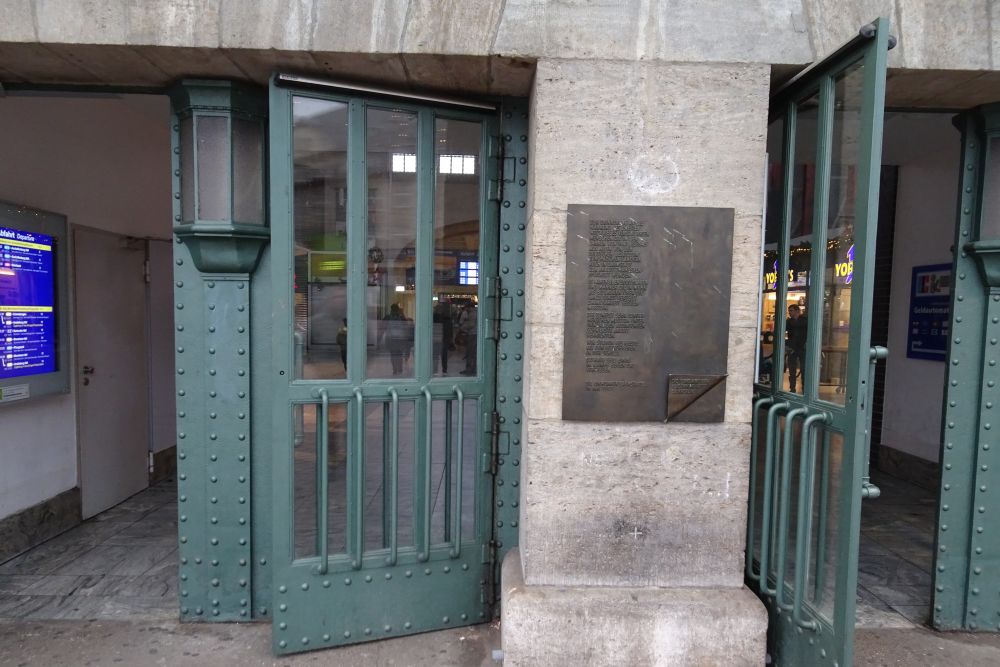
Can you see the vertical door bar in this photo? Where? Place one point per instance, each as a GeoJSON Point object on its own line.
{"type": "Point", "coordinates": [423, 364]}
{"type": "Point", "coordinates": [357, 240]}
{"type": "Point", "coordinates": [356, 484]}
{"type": "Point", "coordinates": [752, 508]}
{"type": "Point", "coordinates": [423, 484]}
{"type": "Point", "coordinates": [783, 501]}
{"type": "Point", "coordinates": [803, 530]}
{"type": "Point", "coordinates": [393, 488]}
{"type": "Point", "coordinates": [765, 529]}
{"type": "Point", "coordinates": [323, 486]}
{"type": "Point", "coordinates": [447, 470]}
{"type": "Point", "coordinates": [817, 264]}
{"type": "Point", "coordinates": [456, 516]}
{"type": "Point", "coordinates": [387, 506]}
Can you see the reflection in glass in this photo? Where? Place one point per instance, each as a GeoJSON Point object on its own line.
{"type": "Point", "coordinates": [772, 231]}
{"type": "Point", "coordinates": [319, 138]}
{"type": "Point", "coordinates": [445, 460]}
{"type": "Point", "coordinates": [456, 246]}
{"type": "Point", "coordinates": [305, 455]}
{"type": "Point", "coordinates": [391, 242]}
{"type": "Point", "coordinates": [800, 244]}
{"type": "Point", "coordinates": [378, 484]}
{"type": "Point", "coordinates": [840, 248]}
{"type": "Point", "coordinates": [822, 566]}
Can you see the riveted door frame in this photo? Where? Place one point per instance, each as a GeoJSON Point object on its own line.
{"type": "Point", "coordinates": [503, 233]}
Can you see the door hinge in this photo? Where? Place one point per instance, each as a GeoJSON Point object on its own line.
{"type": "Point", "coordinates": [495, 152]}
{"type": "Point", "coordinates": [492, 312]}
{"type": "Point", "coordinates": [145, 271]}
{"type": "Point", "coordinates": [499, 441]}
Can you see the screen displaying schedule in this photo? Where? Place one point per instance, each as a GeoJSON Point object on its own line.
{"type": "Point", "coordinates": [27, 304]}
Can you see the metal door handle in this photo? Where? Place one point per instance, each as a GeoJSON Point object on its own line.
{"type": "Point", "coordinates": [88, 370]}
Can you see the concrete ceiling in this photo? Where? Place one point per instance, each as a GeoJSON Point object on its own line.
{"type": "Point", "coordinates": [159, 66]}
{"type": "Point", "coordinates": [924, 88]}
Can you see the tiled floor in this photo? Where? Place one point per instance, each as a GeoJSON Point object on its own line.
{"type": "Point", "coordinates": [123, 562]}
{"type": "Point", "coordinates": [120, 564]}
{"type": "Point", "coordinates": [897, 542]}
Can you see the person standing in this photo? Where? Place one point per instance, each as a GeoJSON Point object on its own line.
{"type": "Point", "coordinates": [442, 334]}
{"type": "Point", "coordinates": [468, 325]}
{"type": "Point", "coordinates": [397, 337]}
{"type": "Point", "coordinates": [342, 342]}
{"type": "Point", "coordinates": [796, 330]}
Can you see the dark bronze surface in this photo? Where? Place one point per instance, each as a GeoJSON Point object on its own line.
{"type": "Point", "coordinates": [696, 398]}
{"type": "Point", "coordinates": [647, 305]}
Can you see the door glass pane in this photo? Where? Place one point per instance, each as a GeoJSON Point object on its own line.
{"type": "Point", "coordinates": [392, 232]}
{"type": "Point", "coordinates": [306, 454]}
{"type": "Point", "coordinates": [772, 232]}
{"type": "Point", "coordinates": [319, 138]}
{"type": "Point", "coordinates": [824, 537]}
{"type": "Point", "coordinates": [449, 495]}
{"type": "Point", "coordinates": [379, 477]}
{"type": "Point", "coordinates": [457, 168]}
{"type": "Point", "coordinates": [800, 246]}
{"type": "Point", "coordinates": [840, 249]}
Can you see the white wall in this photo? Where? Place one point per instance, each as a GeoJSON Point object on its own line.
{"type": "Point", "coordinates": [926, 149]}
{"type": "Point", "coordinates": [102, 161]}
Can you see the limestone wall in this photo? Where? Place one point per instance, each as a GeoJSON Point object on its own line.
{"type": "Point", "coordinates": [951, 34]}
{"type": "Point", "coordinates": [638, 504]}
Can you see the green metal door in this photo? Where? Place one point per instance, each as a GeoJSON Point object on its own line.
{"type": "Point", "coordinates": [384, 241]}
{"type": "Point", "coordinates": [811, 411]}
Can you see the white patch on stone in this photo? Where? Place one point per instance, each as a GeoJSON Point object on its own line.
{"type": "Point", "coordinates": [654, 174]}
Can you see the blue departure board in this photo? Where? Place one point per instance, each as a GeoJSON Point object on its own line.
{"type": "Point", "coordinates": [27, 304]}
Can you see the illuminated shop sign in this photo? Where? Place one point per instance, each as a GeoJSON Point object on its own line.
{"type": "Point", "coordinates": [842, 271]}
{"type": "Point", "coordinates": [845, 270]}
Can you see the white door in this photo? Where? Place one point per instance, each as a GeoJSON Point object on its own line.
{"type": "Point", "coordinates": [111, 378]}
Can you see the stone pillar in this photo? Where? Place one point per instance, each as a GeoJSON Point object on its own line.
{"type": "Point", "coordinates": [632, 534]}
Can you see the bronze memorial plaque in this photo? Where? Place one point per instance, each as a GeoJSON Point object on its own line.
{"type": "Point", "coordinates": [647, 313]}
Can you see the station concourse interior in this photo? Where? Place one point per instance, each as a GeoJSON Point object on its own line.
{"type": "Point", "coordinates": [103, 453]}
{"type": "Point", "coordinates": [121, 562]}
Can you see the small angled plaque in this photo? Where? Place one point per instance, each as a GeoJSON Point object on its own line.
{"type": "Point", "coordinates": [696, 398]}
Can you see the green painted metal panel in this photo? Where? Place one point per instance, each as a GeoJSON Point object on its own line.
{"type": "Point", "coordinates": [261, 431]}
{"type": "Point", "coordinates": [967, 546]}
{"type": "Point", "coordinates": [213, 366]}
{"type": "Point", "coordinates": [805, 628]}
{"type": "Point", "coordinates": [363, 593]}
{"type": "Point", "coordinates": [513, 149]}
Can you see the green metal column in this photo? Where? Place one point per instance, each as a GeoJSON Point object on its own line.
{"type": "Point", "coordinates": [513, 195]}
{"type": "Point", "coordinates": [214, 257]}
{"type": "Point", "coordinates": [967, 554]}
